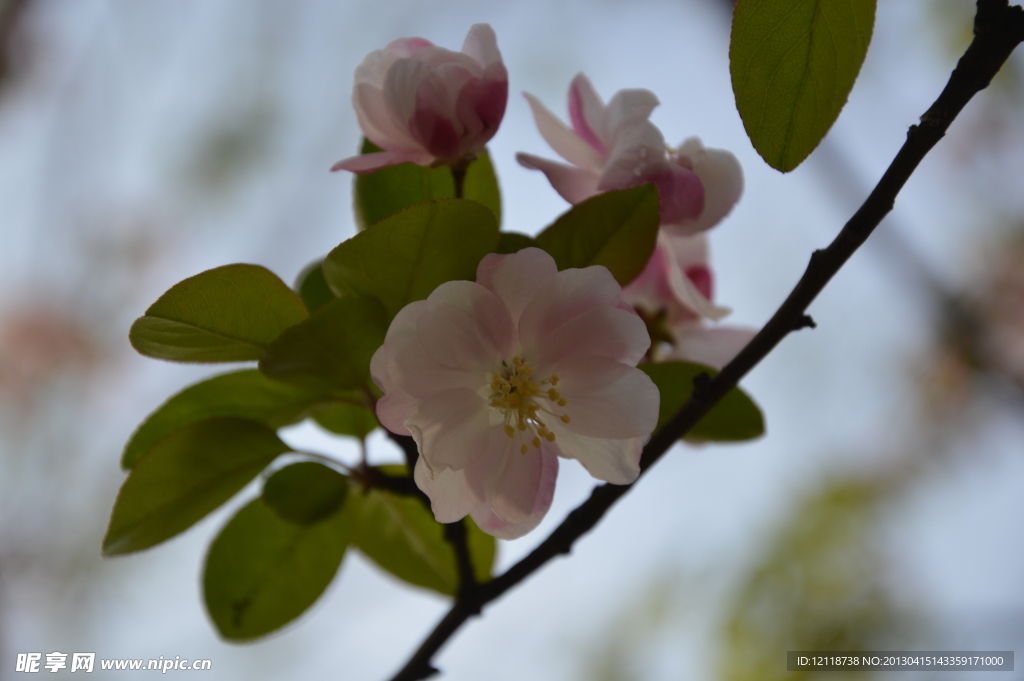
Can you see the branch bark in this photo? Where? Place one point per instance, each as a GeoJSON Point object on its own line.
{"type": "Point", "coordinates": [998, 29]}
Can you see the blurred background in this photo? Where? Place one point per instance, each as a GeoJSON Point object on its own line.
{"type": "Point", "coordinates": [141, 143]}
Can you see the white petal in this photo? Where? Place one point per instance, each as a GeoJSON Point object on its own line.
{"type": "Point", "coordinates": [482, 45]}
{"type": "Point", "coordinates": [564, 141]}
{"type": "Point", "coordinates": [466, 328]}
{"type": "Point", "coordinates": [453, 494]}
{"type": "Point", "coordinates": [515, 278]}
{"type": "Point", "coordinates": [572, 183]}
{"type": "Point", "coordinates": [607, 399]}
{"type": "Point", "coordinates": [628, 107]}
{"type": "Point", "coordinates": [614, 461]}
{"type": "Point", "coordinates": [451, 428]}
{"type": "Point", "coordinates": [408, 364]}
{"type": "Point", "coordinates": [637, 156]}
{"type": "Point", "coordinates": [605, 331]}
{"type": "Point", "coordinates": [714, 346]}
{"type": "Point", "coordinates": [569, 294]}
{"type": "Point", "coordinates": [720, 173]}
{"type": "Point", "coordinates": [488, 521]}
{"type": "Point", "coordinates": [515, 483]}
{"type": "Point", "coordinates": [396, 405]}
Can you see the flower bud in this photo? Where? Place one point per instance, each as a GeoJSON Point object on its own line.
{"type": "Point", "coordinates": [424, 104]}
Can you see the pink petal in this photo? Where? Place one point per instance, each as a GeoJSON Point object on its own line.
{"type": "Point", "coordinates": [722, 177]}
{"type": "Point", "coordinates": [453, 494]}
{"type": "Point", "coordinates": [401, 87]}
{"type": "Point", "coordinates": [607, 399]}
{"type": "Point", "coordinates": [407, 47]}
{"type": "Point", "coordinates": [564, 141]}
{"type": "Point", "coordinates": [637, 157]}
{"type": "Point", "coordinates": [614, 461]}
{"type": "Point", "coordinates": [628, 107]}
{"type": "Point", "coordinates": [684, 291]}
{"type": "Point", "coordinates": [681, 194]}
{"type": "Point", "coordinates": [572, 184]}
{"type": "Point", "coordinates": [410, 367]}
{"type": "Point", "coordinates": [396, 405]}
{"type": "Point", "coordinates": [480, 108]}
{"type": "Point", "coordinates": [466, 328]}
{"type": "Point", "coordinates": [714, 346]}
{"type": "Point", "coordinates": [373, 68]}
{"type": "Point", "coordinates": [452, 429]}
{"type": "Point", "coordinates": [490, 523]}
{"type": "Point", "coordinates": [369, 163]}
{"type": "Point", "coordinates": [514, 484]}
{"type": "Point", "coordinates": [482, 45]}
{"type": "Point", "coordinates": [378, 123]}
{"type": "Point", "coordinates": [515, 278]}
{"type": "Point", "coordinates": [586, 111]}
{"type": "Point", "coordinates": [605, 331]}
{"type": "Point", "coordinates": [569, 294]}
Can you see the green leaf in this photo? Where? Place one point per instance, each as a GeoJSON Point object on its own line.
{"type": "Point", "coordinates": [305, 493]}
{"type": "Point", "coordinates": [393, 189]}
{"type": "Point", "coordinates": [733, 419]}
{"type": "Point", "coordinates": [345, 418]}
{"type": "Point", "coordinates": [481, 184]}
{"type": "Point", "coordinates": [400, 534]}
{"type": "Point", "coordinates": [227, 314]}
{"type": "Point", "coordinates": [513, 242]}
{"type": "Point", "coordinates": [312, 288]}
{"type": "Point", "coordinates": [615, 229]}
{"type": "Point", "coordinates": [406, 256]}
{"type": "Point", "coordinates": [245, 394]}
{"type": "Point", "coordinates": [186, 475]}
{"type": "Point", "coordinates": [793, 64]}
{"type": "Point", "coordinates": [332, 349]}
{"type": "Point", "coordinates": [262, 572]}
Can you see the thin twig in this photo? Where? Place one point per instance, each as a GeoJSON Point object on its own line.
{"type": "Point", "coordinates": [998, 29]}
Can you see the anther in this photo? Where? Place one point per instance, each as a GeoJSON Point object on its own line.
{"type": "Point", "coordinates": [564, 417]}
{"type": "Point", "coordinates": [509, 430]}
{"type": "Point", "coordinates": [535, 441]}
{"type": "Point", "coordinates": [562, 402]}
{"type": "Point", "coordinates": [524, 449]}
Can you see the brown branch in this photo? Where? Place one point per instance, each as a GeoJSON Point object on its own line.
{"type": "Point", "coordinates": [998, 29]}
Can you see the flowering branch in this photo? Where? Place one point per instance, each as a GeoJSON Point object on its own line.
{"type": "Point", "coordinates": [998, 29]}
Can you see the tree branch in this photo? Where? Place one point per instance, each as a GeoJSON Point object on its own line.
{"type": "Point", "coordinates": [998, 29]}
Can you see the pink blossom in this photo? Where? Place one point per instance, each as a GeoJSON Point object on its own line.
{"type": "Point", "coordinates": [424, 104]}
{"type": "Point", "coordinates": [674, 295]}
{"type": "Point", "coordinates": [617, 147]}
{"type": "Point", "coordinates": [495, 379]}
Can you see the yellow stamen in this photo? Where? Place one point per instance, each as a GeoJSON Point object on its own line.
{"type": "Point", "coordinates": [564, 417]}
{"type": "Point", "coordinates": [509, 430]}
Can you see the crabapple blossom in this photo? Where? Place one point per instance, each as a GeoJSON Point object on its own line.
{"type": "Point", "coordinates": [424, 104]}
{"type": "Point", "coordinates": [674, 297]}
{"type": "Point", "coordinates": [617, 147]}
{"type": "Point", "coordinates": [495, 379]}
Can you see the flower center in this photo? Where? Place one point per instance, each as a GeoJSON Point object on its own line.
{"type": "Point", "coordinates": [522, 400]}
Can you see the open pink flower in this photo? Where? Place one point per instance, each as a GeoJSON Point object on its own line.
{"type": "Point", "coordinates": [613, 147]}
{"type": "Point", "coordinates": [496, 379]}
{"type": "Point", "coordinates": [421, 103]}
{"type": "Point", "coordinates": [617, 147]}
{"type": "Point", "coordinates": [674, 295]}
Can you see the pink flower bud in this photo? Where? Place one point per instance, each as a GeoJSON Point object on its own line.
{"type": "Point", "coordinates": [424, 104]}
